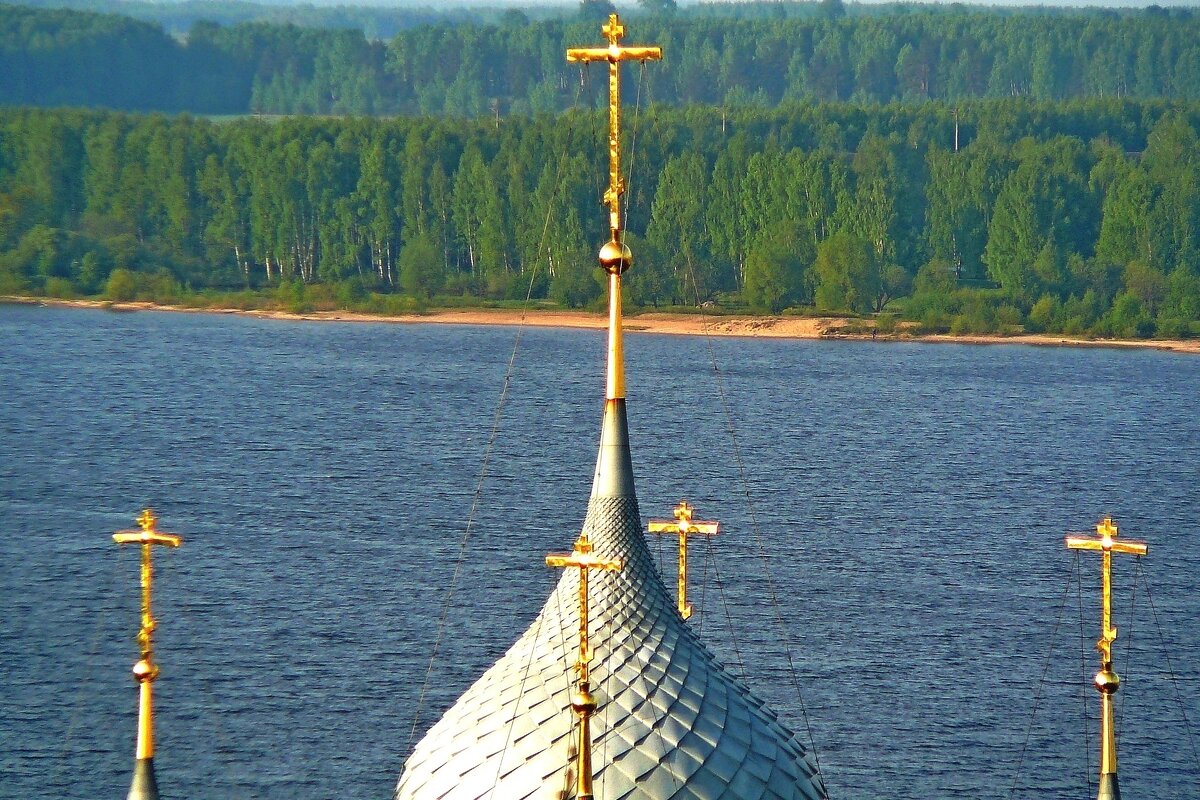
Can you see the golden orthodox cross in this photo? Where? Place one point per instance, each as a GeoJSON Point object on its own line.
{"type": "Point", "coordinates": [145, 670]}
{"type": "Point", "coordinates": [1107, 543]}
{"type": "Point", "coordinates": [1107, 682]}
{"type": "Point", "coordinates": [615, 256]}
{"type": "Point", "coordinates": [583, 703]}
{"type": "Point", "coordinates": [684, 526]}
{"type": "Point", "coordinates": [614, 54]}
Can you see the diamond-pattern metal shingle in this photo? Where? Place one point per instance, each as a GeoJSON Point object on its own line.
{"type": "Point", "coordinates": [672, 722]}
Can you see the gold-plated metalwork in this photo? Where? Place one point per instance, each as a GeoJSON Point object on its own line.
{"type": "Point", "coordinates": [145, 671]}
{"type": "Point", "coordinates": [1107, 682]}
{"type": "Point", "coordinates": [615, 256]}
{"type": "Point", "coordinates": [583, 703]}
{"type": "Point", "coordinates": [684, 526]}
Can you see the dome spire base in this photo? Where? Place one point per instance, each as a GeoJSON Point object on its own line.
{"type": "Point", "coordinates": [144, 786]}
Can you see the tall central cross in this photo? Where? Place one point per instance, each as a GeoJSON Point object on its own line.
{"type": "Point", "coordinates": [614, 54]}
{"type": "Point", "coordinates": [145, 671]}
{"type": "Point", "coordinates": [615, 256]}
{"type": "Point", "coordinates": [583, 703]}
{"type": "Point", "coordinates": [1107, 682]}
{"type": "Point", "coordinates": [685, 526]}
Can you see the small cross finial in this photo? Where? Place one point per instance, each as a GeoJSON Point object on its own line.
{"type": "Point", "coordinates": [147, 520]}
{"type": "Point", "coordinates": [684, 526]}
{"type": "Point", "coordinates": [613, 30]}
{"type": "Point", "coordinates": [1107, 528]}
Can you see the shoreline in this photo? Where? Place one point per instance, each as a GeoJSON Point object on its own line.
{"type": "Point", "coordinates": [820, 328]}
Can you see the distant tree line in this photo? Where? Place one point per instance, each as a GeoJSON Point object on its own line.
{"type": "Point", "coordinates": [514, 65]}
{"type": "Point", "coordinates": [379, 21]}
{"type": "Point", "coordinates": [1077, 217]}
{"type": "Point", "coordinates": [375, 21]}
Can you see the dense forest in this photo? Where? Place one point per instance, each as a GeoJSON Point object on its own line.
{"type": "Point", "coordinates": [376, 21]}
{"type": "Point", "coordinates": [731, 56]}
{"type": "Point", "coordinates": [986, 215]}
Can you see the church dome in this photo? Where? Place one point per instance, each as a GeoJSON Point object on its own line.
{"type": "Point", "coordinates": [671, 722]}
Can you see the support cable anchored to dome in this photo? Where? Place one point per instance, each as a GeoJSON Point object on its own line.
{"type": "Point", "coordinates": [1037, 692]}
{"type": "Point", "coordinates": [468, 529]}
{"type": "Point", "coordinates": [1162, 640]}
{"type": "Point", "coordinates": [735, 447]}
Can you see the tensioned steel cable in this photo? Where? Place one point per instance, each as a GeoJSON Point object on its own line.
{"type": "Point", "coordinates": [224, 743]}
{"type": "Point", "coordinates": [731, 426]}
{"type": "Point", "coordinates": [495, 428]}
{"type": "Point", "coordinates": [1037, 693]}
{"type": "Point", "coordinates": [76, 703]}
{"type": "Point", "coordinates": [633, 139]}
{"type": "Point", "coordinates": [520, 696]}
{"type": "Point", "coordinates": [1127, 661]}
{"type": "Point", "coordinates": [1170, 670]}
{"type": "Point", "coordinates": [1083, 651]}
{"type": "Point", "coordinates": [732, 631]}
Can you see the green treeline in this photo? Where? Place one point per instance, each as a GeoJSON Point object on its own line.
{"type": "Point", "coordinates": [375, 21]}
{"type": "Point", "coordinates": [58, 57]}
{"type": "Point", "coordinates": [1079, 217]}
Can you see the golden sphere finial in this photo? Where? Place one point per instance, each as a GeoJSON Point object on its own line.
{"type": "Point", "coordinates": [583, 701]}
{"type": "Point", "coordinates": [615, 257]}
{"type": "Point", "coordinates": [1107, 681]}
{"type": "Point", "coordinates": [144, 671]}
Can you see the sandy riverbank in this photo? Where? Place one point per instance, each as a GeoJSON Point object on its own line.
{"type": "Point", "coordinates": [648, 322]}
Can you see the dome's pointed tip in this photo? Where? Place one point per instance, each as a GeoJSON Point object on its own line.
{"type": "Point", "coordinates": [144, 786]}
{"type": "Point", "coordinates": [614, 466]}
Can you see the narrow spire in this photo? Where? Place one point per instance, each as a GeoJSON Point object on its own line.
{"type": "Point", "coordinates": [685, 526]}
{"type": "Point", "coordinates": [1106, 680]}
{"type": "Point", "coordinates": [145, 671]}
{"type": "Point", "coordinates": [583, 702]}
{"type": "Point", "coordinates": [615, 257]}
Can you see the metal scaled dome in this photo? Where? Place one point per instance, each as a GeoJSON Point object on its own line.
{"type": "Point", "coordinates": [672, 722]}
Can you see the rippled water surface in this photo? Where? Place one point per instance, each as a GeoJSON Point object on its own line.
{"type": "Point", "coordinates": [898, 531]}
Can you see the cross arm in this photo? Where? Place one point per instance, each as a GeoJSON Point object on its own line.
{"type": "Point", "coordinates": [146, 537]}
{"type": "Point", "coordinates": [1088, 543]}
{"type": "Point", "coordinates": [584, 561]}
{"type": "Point", "coordinates": [692, 528]}
{"type": "Point", "coordinates": [586, 54]}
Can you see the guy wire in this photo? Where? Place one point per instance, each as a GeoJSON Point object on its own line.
{"type": "Point", "coordinates": [1087, 728]}
{"type": "Point", "coordinates": [755, 529]}
{"type": "Point", "coordinates": [495, 428]}
{"type": "Point", "coordinates": [1037, 692]}
{"type": "Point", "coordinates": [1170, 670]}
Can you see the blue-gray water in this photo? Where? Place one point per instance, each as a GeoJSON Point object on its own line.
{"type": "Point", "coordinates": [911, 499]}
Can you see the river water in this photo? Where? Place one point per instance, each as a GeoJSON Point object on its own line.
{"type": "Point", "coordinates": [895, 527]}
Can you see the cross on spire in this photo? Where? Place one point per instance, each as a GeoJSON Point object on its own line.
{"type": "Point", "coordinates": [1107, 682]}
{"type": "Point", "coordinates": [614, 54]}
{"type": "Point", "coordinates": [615, 256]}
{"type": "Point", "coordinates": [583, 703]}
{"type": "Point", "coordinates": [145, 671]}
{"type": "Point", "coordinates": [684, 526]}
